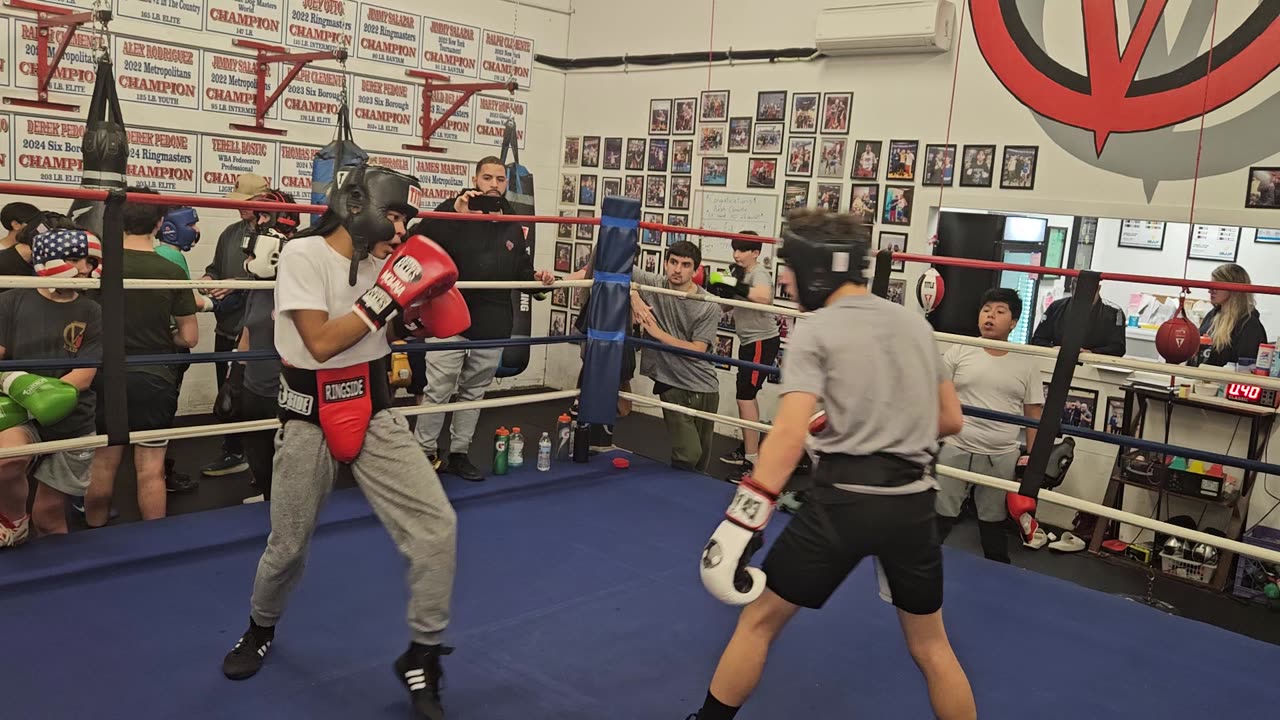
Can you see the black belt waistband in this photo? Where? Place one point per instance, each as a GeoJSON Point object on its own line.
{"type": "Point", "coordinates": [298, 398]}
{"type": "Point", "coordinates": [876, 470]}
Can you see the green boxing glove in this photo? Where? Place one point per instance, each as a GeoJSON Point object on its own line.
{"type": "Point", "coordinates": [47, 399]}
{"type": "Point", "coordinates": [11, 413]}
{"type": "Point", "coordinates": [727, 286]}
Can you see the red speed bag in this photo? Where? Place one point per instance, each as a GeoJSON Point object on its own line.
{"type": "Point", "coordinates": [1178, 339]}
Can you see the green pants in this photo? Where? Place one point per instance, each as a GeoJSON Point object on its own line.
{"type": "Point", "coordinates": [690, 436]}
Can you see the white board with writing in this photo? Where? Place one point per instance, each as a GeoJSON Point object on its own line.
{"type": "Point", "coordinates": [735, 212]}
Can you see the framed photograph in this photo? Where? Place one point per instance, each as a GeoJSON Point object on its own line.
{"type": "Point", "coordinates": [863, 202]}
{"type": "Point", "coordinates": [573, 320]}
{"type": "Point", "coordinates": [780, 291]}
{"type": "Point", "coordinates": [659, 117]}
{"type": "Point", "coordinates": [795, 196]}
{"type": "Point", "coordinates": [577, 298]}
{"type": "Point", "coordinates": [804, 113]}
{"type": "Point", "coordinates": [724, 348]}
{"type": "Point", "coordinates": [564, 231]}
{"type": "Point", "coordinates": [715, 171]}
{"type": "Point", "coordinates": [1218, 243]}
{"type": "Point", "coordinates": [897, 291]}
{"type": "Point", "coordinates": [776, 378]}
{"type": "Point", "coordinates": [651, 237]}
{"type": "Point", "coordinates": [768, 139]}
{"type": "Point", "coordinates": [572, 151]}
{"type": "Point", "coordinates": [827, 197]}
{"type": "Point", "coordinates": [681, 192]}
{"type": "Point", "coordinates": [611, 187]}
{"type": "Point", "coordinates": [1080, 408]}
{"type": "Point", "coordinates": [682, 157]}
{"type": "Point", "coordinates": [1142, 234]}
{"type": "Point", "coordinates": [866, 160]}
{"type": "Point", "coordinates": [726, 319]}
{"type": "Point", "coordinates": [786, 326]}
{"type": "Point", "coordinates": [686, 114]}
{"type": "Point", "coordinates": [898, 201]}
{"type": "Point", "coordinates": [655, 191]}
{"type": "Point", "coordinates": [836, 108]}
{"type": "Point", "coordinates": [771, 106]}
{"type": "Point", "coordinates": [1018, 171]}
{"type": "Point", "coordinates": [740, 134]}
{"type": "Point", "coordinates": [1267, 236]}
{"type": "Point", "coordinates": [585, 232]}
{"type": "Point", "coordinates": [569, 189]}
{"type": "Point", "coordinates": [677, 220]}
{"type": "Point", "coordinates": [1263, 190]}
{"type": "Point", "coordinates": [939, 165]}
{"type": "Point", "coordinates": [831, 157]}
{"type": "Point", "coordinates": [564, 258]}
{"type": "Point", "coordinates": [1114, 422]}
{"type": "Point", "coordinates": [894, 242]}
{"type": "Point", "coordinates": [800, 156]}
{"type": "Point", "coordinates": [902, 160]}
{"type": "Point", "coordinates": [715, 106]}
{"type": "Point", "coordinates": [587, 190]}
{"type": "Point", "coordinates": [976, 166]}
{"type": "Point", "coordinates": [612, 154]}
{"type": "Point", "coordinates": [560, 296]}
{"type": "Point", "coordinates": [590, 151]}
{"type": "Point", "coordinates": [713, 138]}
{"type": "Point", "coordinates": [581, 255]}
{"type": "Point", "coordinates": [658, 153]}
{"type": "Point", "coordinates": [635, 153]}
{"type": "Point", "coordinates": [633, 187]}
{"type": "Point", "coordinates": [762, 173]}
{"type": "Point", "coordinates": [559, 323]}
{"type": "Point", "coordinates": [651, 261]}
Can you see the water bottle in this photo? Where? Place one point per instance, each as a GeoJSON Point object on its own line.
{"type": "Point", "coordinates": [517, 448]}
{"type": "Point", "coordinates": [500, 451]}
{"type": "Point", "coordinates": [544, 453]}
{"type": "Point", "coordinates": [581, 441]}
{"type": "Point", "coordinates": [564, 437]}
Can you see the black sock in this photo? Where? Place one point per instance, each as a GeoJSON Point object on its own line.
{"type": "Point", "coordinates": [262, 631]}
{"type": "Point", "coordinates": [713, 709]}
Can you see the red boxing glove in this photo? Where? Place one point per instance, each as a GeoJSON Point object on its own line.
{"type": "Point", "coordinates": [1023, 510]}
{"type": "Point", "coordinates": [818, 422]}
{"type": "Point", "coordinates": [438, 317]}
{"type": "Point", "coordinates": [418, 269]}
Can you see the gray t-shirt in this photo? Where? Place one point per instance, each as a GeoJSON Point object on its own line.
{"type": "Point", "coordinates": [1002, 383]}
{"type": "Point", "coordinates": [754, 325]}
{"type": "Point", "coordinates": [874, 366]}
{"type": "Point", "coordinates": [687, 320]}
{"type": "Point", "coordinates": [261, 377]}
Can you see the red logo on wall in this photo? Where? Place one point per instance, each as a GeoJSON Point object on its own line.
{"type": "Point", "coordinates": [1111, 98]}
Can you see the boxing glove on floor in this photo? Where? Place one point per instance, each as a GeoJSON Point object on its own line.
{"type": "Point", "coordinates": [418, 269]}
{"type": "Point", "coordinates": [49, 400]}
{"type": "Point", "coordinates": [724, 559]}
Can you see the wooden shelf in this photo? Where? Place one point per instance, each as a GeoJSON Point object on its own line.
{"type": "Point", "coordinates": [1204, 402]}
{"type": "Point", "coordinates": [1119, 477]}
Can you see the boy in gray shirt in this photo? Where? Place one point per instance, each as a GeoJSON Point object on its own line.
{"type": "Point", "coordinates": [875, 367]}
{"type": "Point", "coordinates": [677, 379]}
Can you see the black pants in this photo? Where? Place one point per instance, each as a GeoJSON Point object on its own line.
{"type": "Point", "coordinates": [231, 444]}
{"type": "Point", "coordinates": [417, 368]}
{"type": "Point", "coordinates": [259, 446]}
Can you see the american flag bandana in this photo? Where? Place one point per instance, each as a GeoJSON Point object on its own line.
{"type": "Point", "coordinates": [51, 250]}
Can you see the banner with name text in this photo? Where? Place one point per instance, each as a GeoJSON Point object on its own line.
{"type": "Point", "coordinates": [450, 48]}
{"type": "Point", "coordinates": [320, 24]}
{"type": "Point", "coordinates": [441, 179]}
{"type": "Point", "coordinates": [252, 19]}
{"type": "Point", "coordinates": [157, 74]}
{"type": "Point", "coordinates": [391, 161]}
{"type": "Point", "coordinates": [459, 127]}
{"type": "Point", "coordinates": [230, 85]}
{"type": "Point", "coordinates": [185, 14]}
{"type": "Point", "coordinates": [6, 146]}
{"type": "Point", "coordinates": [163, 160]}
{"type": "Point", "coordinates": [505, 57]}
{"type": "Point", "coordinates": [75, 74]}
{"type": "Point", "coordinates": [223, 159]}
{"type": "Point", "coordinates": [389, 36]}
{"type": "Point", "coordinates": [314, 97]}
{"type": "Point", "coordinates": [491, 119]}
{"type": "Point", "coordinates": [47, 150]}
{"type": "Point", "coordinates": [294, 168]}
{"type": "Point", "coordinates": [6, 44]}
{"type": "Point", "coordinates": [81, 4]}
{"type": "Point", "coordinates": [383, 106]}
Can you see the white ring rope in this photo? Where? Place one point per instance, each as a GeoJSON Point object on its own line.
{"type": "Point", "coordinates": [195, 431]}
{"type": "Point", "coordinates": [736, 422]}
{"type": "Point", "coordinates": [152, 284]}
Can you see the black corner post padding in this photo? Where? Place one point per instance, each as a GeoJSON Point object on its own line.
{"type": "Point", "coordinates": [1073, 334]}
{"type": "Point", "coordinates": [111, 298]}
{"type": "Point", "coordinates": [880, 277]}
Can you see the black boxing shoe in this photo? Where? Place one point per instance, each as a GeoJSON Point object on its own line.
{"type": "Point", "coordinates": [245, 659]}
{"type": "Point", "coordinates": [420, 670]}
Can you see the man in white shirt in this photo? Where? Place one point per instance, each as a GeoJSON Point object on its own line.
{"type": "Point", "coordinates": [995, 380]}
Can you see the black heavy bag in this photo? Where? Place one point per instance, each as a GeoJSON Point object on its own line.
{"type": "Point", "coordinates": [104, 149]}
{"type": "Point", "coordinates": [520, 194]}
{"type": "Point", "coordinates": [343, 152]}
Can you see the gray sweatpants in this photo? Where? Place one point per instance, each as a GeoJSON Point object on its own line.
{"type": "Point", "coordinates": [989, 501]}
{"type": "Point", "coordinates": [469, 372]}
{"type": "Point", "coordinates": [405, 494]}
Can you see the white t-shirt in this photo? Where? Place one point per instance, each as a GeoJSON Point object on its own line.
{"type": "Point", "coordinates": [1003, 383]}
{"type": "Point", "coordinates": [313, 276]}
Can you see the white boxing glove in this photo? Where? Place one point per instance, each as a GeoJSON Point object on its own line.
{"type": "Point", "coordinates": [724, 560]}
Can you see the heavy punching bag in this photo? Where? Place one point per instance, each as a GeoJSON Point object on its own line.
{"type": "Point", "coordinates": [343, 152]}
{"type": "Point", "coordinates": [104, 149]}
{"type": "Point", "coordinates": [520, 194]}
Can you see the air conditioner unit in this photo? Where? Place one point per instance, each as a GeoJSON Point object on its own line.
{"type": "Point", "coordinates": [872, 27]}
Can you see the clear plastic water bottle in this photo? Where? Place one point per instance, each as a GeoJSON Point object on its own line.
{"type": "Point", "coordinates": [544, 453]}
{"type": "Point", "coordinates": [517, 448]}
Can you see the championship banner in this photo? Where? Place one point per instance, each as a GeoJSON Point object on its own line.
{"type": "Point", "coordinates": [156, 74]}
{"type": "Point", "coordinates": [254, 19]}
{"type": "Point", "coordinates": [320, 24]}
{"type": "Point", "coordinates": [504, 57]}
{"type": "Point", "coordinates": [223, 159]}
{"type": "Point", "coordinates": [187, 15]}
{"type": "Point", "coordinates": [450, 48]}
{"type": "Point", "coordinates": [163, 160]}
{"type": "Point", "coordinates": [5, 45]}
{"type": "Point", "coordinates": [6, 147]}
{"type": "Point", "coordinates": [399, 163]}
{"type": "Point", "coordinates": [294, 168]}
{"type": "Point", "coordinates": [230, 85]}
{"type": "Point", "coordinates": [491, 119]}
{"type": "Point", "coordinates": [384, 106]}
{"type": "Point", "coordinates": [77, 71]}
{"type": "Point", "coordinates": [314, 97]}
{"type": "Point", "coordinates": [81, 4]}
{"type": "Point", "coordinates": [47, 151]}
{"type": "Point", "coordinates": [459, 127]}
{"type": "Point", "coordinates": [389, 36]}
{"type": "Point", "coordinates": [441, 179]}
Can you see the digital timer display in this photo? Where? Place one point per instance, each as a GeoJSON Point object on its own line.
{"type": "Point", "coordinates": [1241, 391]}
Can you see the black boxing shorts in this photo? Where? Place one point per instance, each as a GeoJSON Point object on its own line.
{"type": "Point", "coordinates": [340, 400]}
{"type": "Point", "coordinates": [762, 352]}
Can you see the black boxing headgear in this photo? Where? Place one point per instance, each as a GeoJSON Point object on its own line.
{"type": "Point", "coordinates": [823, 263]}
{"type": "Point", "coordinates": [361, 201]}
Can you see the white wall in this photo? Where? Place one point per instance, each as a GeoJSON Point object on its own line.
{"type": "Point", "coordinates": [546, 22]}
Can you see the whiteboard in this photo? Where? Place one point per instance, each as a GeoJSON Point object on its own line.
{"type": "Point", "coordinates": [735, 212]}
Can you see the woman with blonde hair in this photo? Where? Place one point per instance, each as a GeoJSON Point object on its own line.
{"type": "Point", "coordinates": [1232, 327]}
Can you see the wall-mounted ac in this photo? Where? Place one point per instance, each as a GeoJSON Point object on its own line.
{"type": "Point", "coordinates": [872, 27]}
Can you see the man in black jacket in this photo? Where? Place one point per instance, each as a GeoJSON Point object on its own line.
{"type": "Point", "coordinates": [1105, 335]}
{"type": "Point", "coordinates": [482, 251]}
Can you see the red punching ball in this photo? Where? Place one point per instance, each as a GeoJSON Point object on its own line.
{"type": "Point", "coordinates": [1178, 339]}
{"type": "Point", "coordinates": [929, 290]}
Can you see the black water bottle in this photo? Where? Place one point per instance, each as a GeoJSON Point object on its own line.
{"type": "Point", "coordinates": [581, 441]}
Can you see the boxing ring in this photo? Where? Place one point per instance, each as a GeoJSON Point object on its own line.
{"type": "Point", "coordinates": [577, 594]}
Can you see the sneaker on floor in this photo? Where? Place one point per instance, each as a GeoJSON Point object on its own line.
{"type": "Point", "coordinates": [245, 659]}
{"type": "Point", "coordinates": [14, 532]}
{"type": "Point", "coordinates": [737, 476]}
{"type": "Point", "coordinates": [434, 459]}
{"type": "Point", "coordinates": [180, 483]}
{"type": "Point", "coordinates": [789, 502]}
{"type": "Point", "coordinates": [229, 465]}
{"type": "Point", "coordinates": [77, 504]}
{"type": "Point", "coordinates": [737, 457]}
{"type": "Point", "coordinates": [459, 464]}
{"type": "Point", "coordinates": [254, 499]}
{"type": "Point", "coordinates": [420, 670]}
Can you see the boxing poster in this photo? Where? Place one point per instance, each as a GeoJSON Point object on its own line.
{"type": "Point", "coordinates": [314, 97]}
{"type": "Point", "coordinates": [75, 74]}
{"type": "Point", "coordinates": [253, 19]}
{"type": "Point", "coordinates": [389, 36]}
{"type": "Point", "coordinates": [441, 179]}
{"type": "Point", "coordinates": [491, 119]}
{"type": "Point", "coordinates": [320, 24]}
{"type": "Point", "coordinates": [5, 44]}
{"type": "Point", "coordinates": [163, 160]}
{"type": "Point", "coordinates": [506, 57]}
{"type": "Point", "coordinates": [6, 147]}
{"type": "Point", "coordinates": [81, 4]}
{"type": "Point", "coordinates": [47, 150]}
{"type": "Point", "coordinates": [223, 159]}
{"type": "Point", "coordinates": [157, 74]}
{"type": "Point", "coordinates": [231, 85]}
{"type": "Point", "coordinates": [450, 48]}
{"type": "Point", "coordinates": [185, 15]}
{"type": "Point", "coordinates": [294, 166]}
{"type": "Point", "coordinates": [383, 106]}
{"type": "Point", "coordinates": [459, 127]}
